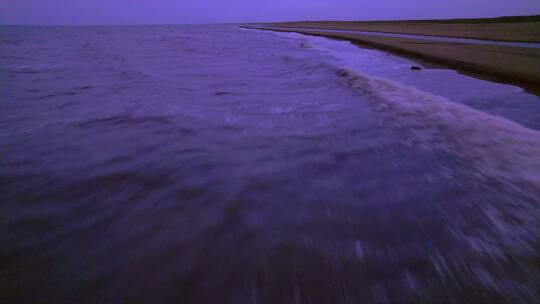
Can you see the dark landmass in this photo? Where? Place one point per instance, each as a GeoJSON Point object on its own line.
{"type": "Point", "coordinates": [513, 65]}
{"type": "Point", "coordinates": [517, 29]}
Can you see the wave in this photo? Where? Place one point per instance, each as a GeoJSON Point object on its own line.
{"type": "Point", "coordinates": [124, 120]}
{"type": "Point", "coordinates": [495, 151]}
{"type": "Point", "coordinates": [496, 147]}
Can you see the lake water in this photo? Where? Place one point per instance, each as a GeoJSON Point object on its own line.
{"type": "Point", "coordinates": [211, 164]}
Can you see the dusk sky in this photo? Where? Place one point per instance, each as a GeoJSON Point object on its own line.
{"type": "Point", "coordinates": [215, 11]}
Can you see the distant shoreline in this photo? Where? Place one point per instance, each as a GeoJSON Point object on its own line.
{"type": "Point", "coordinates": [513, 29]}
{"type": "Point", "coordinates": [511, 65]}
{"type": "Point", "coordinates": [501, 19]}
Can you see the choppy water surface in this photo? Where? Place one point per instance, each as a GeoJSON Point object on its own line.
{"type": "Point", "coordinates": [208, 164]}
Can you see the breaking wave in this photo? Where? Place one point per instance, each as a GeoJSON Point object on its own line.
{"type": "Point", "coordinates": [496, 147]}
{"type": "Point", "coordinates": [265, 169]}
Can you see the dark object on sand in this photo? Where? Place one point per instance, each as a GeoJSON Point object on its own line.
{"type": "Point", "coordinates": [415, 68]}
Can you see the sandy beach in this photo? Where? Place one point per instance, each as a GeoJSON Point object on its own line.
{"type": "Point", "coordinates": [521, 28]}
{"type": "Point", "coordinates": [514, 65]}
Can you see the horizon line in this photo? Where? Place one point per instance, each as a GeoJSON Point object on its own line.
{"type": "Point", "coordinates": [291, 21]}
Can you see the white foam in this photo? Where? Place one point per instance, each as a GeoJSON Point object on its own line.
{"type": "Point", "coordinates": [495, 146]}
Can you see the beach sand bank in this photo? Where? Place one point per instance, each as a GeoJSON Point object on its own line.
{"type": "Point", "coordinates": [516, 29]}
{"type": "Point", "coordinates": [513, 65]}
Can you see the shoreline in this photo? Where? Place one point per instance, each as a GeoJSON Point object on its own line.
{"type": "Point", "coordinates": [508, 65]}
{"type": "Point", "coordinates": [503, 29]}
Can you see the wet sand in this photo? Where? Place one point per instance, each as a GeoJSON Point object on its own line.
{"type": "Point", "coordinates": [512, 65]}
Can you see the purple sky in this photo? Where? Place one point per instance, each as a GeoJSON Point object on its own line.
{"type": "Point", "coordinates": [210, 11]}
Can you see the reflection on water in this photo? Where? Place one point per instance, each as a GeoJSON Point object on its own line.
{"type": "Point", "coordinates": [203, 164]}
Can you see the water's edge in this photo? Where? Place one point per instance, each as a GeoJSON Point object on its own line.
{"type": "Point", "coordinates": [462, 67]}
